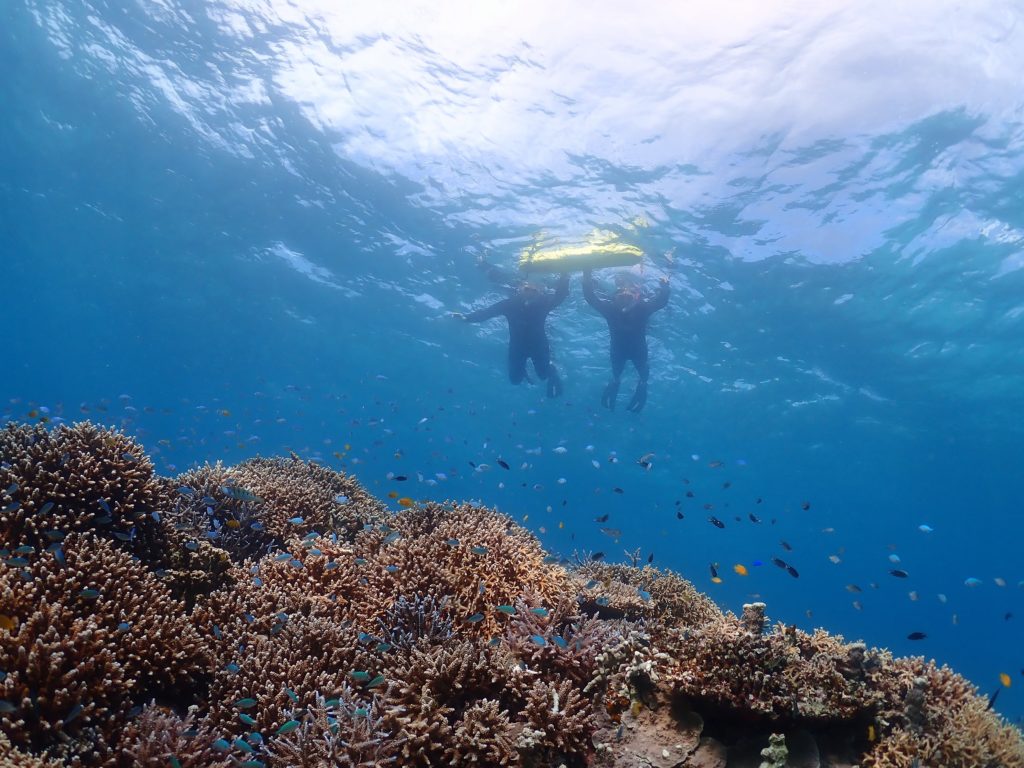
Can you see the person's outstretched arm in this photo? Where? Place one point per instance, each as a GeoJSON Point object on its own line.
{"type": "Point", "coordinates": [601, 305]}
{"type": "Point", "coordinates": [561, 291]}
{"type": "Point", "coordinates": [660, 298]}
{"type": "Point", "coordinates": [486, 313]}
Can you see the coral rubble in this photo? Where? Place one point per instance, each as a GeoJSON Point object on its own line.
{"type": "Point", "coordinates": [275, 614]}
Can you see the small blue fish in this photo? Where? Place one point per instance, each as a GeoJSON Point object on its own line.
{"type": "Point", "coordinates": [105, 506]}
{"type": "Point", "coordinates": [282, 557]}
{"type": "Point", "coordinates": [7, 707]}
{"type": "Point", "coordinates": [54, 535]}
{"type": "Point", "coordinates": [24, 550]}
{"type": "Point", "coordinates": [253, 764]}
{"type": "Point", "coordinates": [222, 745]}
{"type": "Point", "coordinates": [192, 546]}
{"type": "Point", "coordinates": [591, 584]}
{"type": "Point", "coordinates": [46, 508]}
{"type": "Point", "coordinates": [377, 681]}
{"type": "Point", "coordinates": [186, 491]}
{"type": "Point", "coordinates": [509, 609]}
{"type": "Point", "coordinates": [292, 695]}
{"type": "Point", "coordinates": [360, 561]}
{"type": "Point", "coordinates": [123, 627]}
{"type": "Point", "coordinates": [383, 647]}
{"type": "Point", "coordinates": [217, 633]}
{"type": "Point", "coordinates": [602, 601]}
{"type": "Point", "coordinates": [296, 520]}
{"type": "Point", "coordinates": [89, 594]}
{"type": "Point", "coordinates": [232, 668]}
{"type": "Point", "coordinates": [58, 554]}
{"type": "Point", "coordinates": [75, 712]}
{"type": "Point", "coordinates": [255, 737]}
{"type": "Point", "coordinates": [452, 542]}
{"type": "Point", "coordinates": [256, 525]}
{"type": "Point", "coordinates": [391, 538]}
{"type": "Point", "coordinates": [17, 562]}
{"type": "Point", "coordinates": [331, 565]}
{"type": "Point", "coordinates": [539, 640]}
{"type": "Point", "coordinates": [971, 581]}
{"type": "Point", "coordinates": [475, 618]}
{"type": "Point", "coordinates": [247, 703]}
{"type": "Point", "coordinates": [288, 727]}
{"type": "Point", "coordinates": [359, 676]}
{"type": "Point", "coordinates": [257, 581]}
{"type": "Point", "coordinates": [243, 745]}
{"type": "Point", "coordinates": [341, 498]}
{"type": "Point", "coordinates": [213, 535]}
{"type": "Point", "coordinates": [560, 641]}
{"type": "Point", "coordinates": [478, 550]}
{"type": "Point", "coordinates": [14, 506]}
{"type": "Point", "coordinates": [296, 563]}
{"type": "Point", "coordinates": [247, 719]}
{"type": "Point", "coordinates": [391, 568]}
{"type": "Point", "coordinates": [645, 596]}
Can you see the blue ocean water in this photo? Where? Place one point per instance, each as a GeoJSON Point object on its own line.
{"type": "Point", "coordinates": [238, 227]}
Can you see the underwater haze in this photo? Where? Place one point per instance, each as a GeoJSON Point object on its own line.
{"type": "Point", "coordinates": [240, 227]}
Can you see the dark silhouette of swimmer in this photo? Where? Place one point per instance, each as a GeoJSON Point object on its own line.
{"type": "Point", "coordinates": [627, 315]}
{"type": "Point", "coordinates": [527, 311]}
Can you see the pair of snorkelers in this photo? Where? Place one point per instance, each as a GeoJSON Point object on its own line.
{"type": "Point", "coordinates": [627, 313]}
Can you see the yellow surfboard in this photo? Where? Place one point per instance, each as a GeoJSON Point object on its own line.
{"type": "Point", "coordinates": [602, 249]}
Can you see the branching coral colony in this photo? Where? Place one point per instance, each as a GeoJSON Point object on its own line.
{"type": "Point", "coordinates": [275, 614]}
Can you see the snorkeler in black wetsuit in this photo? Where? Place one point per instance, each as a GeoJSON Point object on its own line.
{"type": "Point", "coordinates": [526, 312]}
{"type": "Point", "coordinates": [627, 315]}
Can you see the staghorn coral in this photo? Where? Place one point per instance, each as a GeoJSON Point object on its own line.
{"type": "Point", "coordinates": [13, 758]}
{"type": "Point", "coordinates": [473, 557]}
{"type": "Point", "coordinates": [357, 641]}
{"type": "Point", "coordinates": [484, 735]}
{"type": "Point", "coordinates": [623, 591]}
{"type": "Point", "coordinates": [313, 578]}
{"type": "Point", "coordinates": [931, 713]}
{"type": "Point", "coordinates": [559, 724]}
{"type": "Point", "coordinates": [77, 478]}
{"type": "Point", "coordinates": [285, 673]}
{"type": "Point", "coordinates": [785, 674]}
{"type": "Point", "coordinates": [324, 500]}
{"type": "Point", "coordinates": [337, 734]}
{"type": "Point", "coordinates": [159, 738]}
{"type": "Point", "coordinates": [93, 633]}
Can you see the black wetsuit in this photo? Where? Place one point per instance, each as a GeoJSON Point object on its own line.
{"type": "Point", "coordinates": [628, 329]}
{"type": "Point", "coordinates": [527, 338]}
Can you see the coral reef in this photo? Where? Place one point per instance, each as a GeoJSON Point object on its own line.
{"type": "Point", "coordinates": [274, 614]}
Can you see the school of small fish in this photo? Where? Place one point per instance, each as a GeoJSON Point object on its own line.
{"type": "Point", "coordinates": [583, 485]}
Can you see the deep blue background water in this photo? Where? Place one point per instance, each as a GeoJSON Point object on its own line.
{"type": "Point", "coordinates": [237, 228]}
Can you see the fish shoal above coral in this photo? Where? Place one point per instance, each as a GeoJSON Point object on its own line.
{"type": "Point", "coordinates": [275, 614]}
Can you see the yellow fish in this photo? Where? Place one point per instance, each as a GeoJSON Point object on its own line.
{"type": "Point", "coordinates": [392, 494]}
{"type": "Point", "coordinates": [10, 623]}
{"type": "Point", "coordinates": [405, 501]}
{"type": "Point", "coordinates": [716, 579]}
{"type": "Point", "coordinates": [871, 733]}
{"type": "Point", "coordinates": [1004, 679]}
{"type": "Point", "coordinates": [740, 569]}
